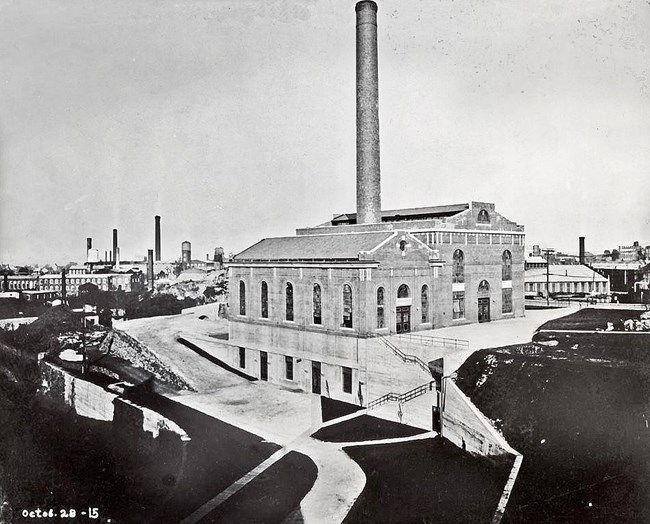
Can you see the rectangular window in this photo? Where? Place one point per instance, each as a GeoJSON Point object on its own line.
{"type": "Point", "coordinates": [288, 367]}
{"type": "Point", "coordinates": [347, 380]}
{"type": "Point", "coordinates": [459, 304]}
{"type": "Point", "coordinates": [506, 304]}
{"type": "Point", "coordinates": [242, 357]}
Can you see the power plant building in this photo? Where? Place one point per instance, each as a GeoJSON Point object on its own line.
{"type": "Point", "coordinates": [305, 310]}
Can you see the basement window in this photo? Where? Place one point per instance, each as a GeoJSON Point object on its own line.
{"type": "Point", "coordinates": [347, 380]}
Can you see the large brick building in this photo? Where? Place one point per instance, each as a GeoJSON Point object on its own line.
{"type": "Point", "coordinates": [305, 310]}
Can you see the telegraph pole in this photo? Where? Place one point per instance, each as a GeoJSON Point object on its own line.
{"type": "Point", "coordinates": [547, 251]}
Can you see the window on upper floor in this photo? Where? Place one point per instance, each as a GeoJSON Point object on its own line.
{"type": "Point", "coordinates": [289, 301]}
{"type": "Point", "coordinates": [458, 267]}
{"type": "Point", "coordinates": [242, 298]}
{"type": "Point", "coordinates": [381, 322]}
{"type": "Point", "coordinates": [316, 303]}
{"type": "Point", "coordinates": [264, 300]}
{"type": "Point", "coordinates": [483, 217]}
{"type": "Point", "coordinates": [347, 306]}
{"type": "Point", "coordinates": [506, 265]}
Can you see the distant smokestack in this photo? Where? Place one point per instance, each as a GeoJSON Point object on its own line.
{"type": "Point", "coordinates": [89, 244]}
{"type": "Point", "coordinates": [581, 255]}
{"type": "Point", "coordinates": [105, 256]}
{"type": "Point", "coordinates": [114, 245]}
{"type": "Point", "coordinates": [150, 269]}
{"type": "Point", "coordinates": [368, 175]}
{"type": "Point", "coordinates": [63, 289]}
{"type": "Point", "coordinates": [116, 262]}
{"type": "Point", "coordinates": [5, 282]}
{"type": "Point", "coordinates": [157, 242]}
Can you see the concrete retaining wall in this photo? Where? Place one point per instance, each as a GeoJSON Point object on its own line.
{"type": "Point", "coordinates": [65, 391]}
{"type": "Point", "coordinates": [464, 425]}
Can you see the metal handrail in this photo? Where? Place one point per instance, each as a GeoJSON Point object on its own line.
{"type": "Point", "coordinates": [456, 343]}
{"type": "Point", "coordinates": [404, 397]}
{"type": "Point", "coordinates": [413, 359]}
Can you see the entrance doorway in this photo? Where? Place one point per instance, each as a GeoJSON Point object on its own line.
{"type": "Point", "coordinates": [484, 301]}
{"type": "Point", "coordinates": [483, 309]}
{"type": "Point", "coordinates": [315, 377]}
{"type": "Point", "coordinates": [403, 324]}
{"type": "Point", "coordinates": [264, 365]}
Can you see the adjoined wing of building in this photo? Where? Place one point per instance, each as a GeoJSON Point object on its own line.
{"type": "Point", "coordinates": [318, 296]}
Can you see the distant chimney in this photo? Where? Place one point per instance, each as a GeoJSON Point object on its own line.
{"type": "Point", "coordinates": [105, 256]}
{"type": "Point", "coordinates": [157, 241]}
{"type": "Point", "coordinates": [114, 245]}
{"type": "Point", "coordinates": [63, 289]}
{"type": "Point", "coordinates": [5, 282]}
{"type": "Point", "coordinates": [581, 252]}
{"type": "Point", "coordinates": [150, 269]}
{"type": "Point", "coordinates": [89, 244]}
{"type": "Point", "coordinates": [116, 262]}
{"type": "Point", "coordinates": [368, 175]}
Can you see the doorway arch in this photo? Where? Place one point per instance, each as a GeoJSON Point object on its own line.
{"type": "Point", "coordinates": [484, 301]}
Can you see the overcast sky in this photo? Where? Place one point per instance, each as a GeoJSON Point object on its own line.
{"type": "Point", "coordinates": [235, 120]}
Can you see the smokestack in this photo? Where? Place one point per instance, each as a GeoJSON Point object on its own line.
{"type": "Point", "coordinates": [150, 269]}
{"type": "Point", "coordinates": [157, 243]}
{"type": "Point", "coordinates": [105, 256]}
{"type": "Point", "coordinates": [114, 245]}
{"type": "Point", "coordinates": [5, 282]}
{"type": "Point", "coordinates": [89, 244]}
{"type": "Point", "coordinates": [368, 176]}
{"type": "Point", "coordinates": [63, 289]}
{"type": "Point", "coordinates": [116, 264]}
{"type": "Point", "coordinates": [581, 255]}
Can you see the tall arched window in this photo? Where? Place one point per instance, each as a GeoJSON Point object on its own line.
{"type": "Point", "coordinates": [403, 291]}
{"type": "Point", "coordinates": [425, 303]}
{"type": "Point", "coordinates": [483, 217]}
{"type": "Point", "coordinates": [289, 301]}
{"type": "Point", "coordinates": [264, 300]}
{"type": "Point", "coordinates": [380, 308]}
{"type": "Point", "coordinates": [242, 298]}
{"type": "Point", "coordinates": [347, 306]}
{"type": "Point", "coordinates": [484, 289]}
{"type": "Point", "coordinates": [458, 267]}
{"type": "Point", "coordinates": [506, 266]}
{"type": "Point", "coordinates": [316, 299]}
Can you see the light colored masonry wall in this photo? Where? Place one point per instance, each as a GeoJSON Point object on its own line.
{"type": "Point", "coordinates": [64, 391]}
{"type": "Point", "coordinates": [464, 425]}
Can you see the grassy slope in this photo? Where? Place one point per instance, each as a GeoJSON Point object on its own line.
{"type": "Point", "coordinates": [578, 412]}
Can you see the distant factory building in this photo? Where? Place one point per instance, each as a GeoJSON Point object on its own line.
{"type": "Point", "coordinates": [565, 279]}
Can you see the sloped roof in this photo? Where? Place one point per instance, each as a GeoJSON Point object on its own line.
{"type": "Point", "coordinates": [314, 247]}
{"type": "Point", "coordinates": [563, 273]}
{"type": "Point", "coordinates": [411, 213]}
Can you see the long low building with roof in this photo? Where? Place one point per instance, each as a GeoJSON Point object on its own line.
{"type": "Point", "coordinates": [565, 279]}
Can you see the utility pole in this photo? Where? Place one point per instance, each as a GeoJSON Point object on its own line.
{"type": "Point", "coordinates": [547, 252]}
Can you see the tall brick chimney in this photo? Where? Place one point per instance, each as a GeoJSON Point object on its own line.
{"type": "Point", "coordinates": [368, 176]}
{"type": "Point", "coordinates": [89, 244]}
{"type": "Point", "coordinates": [157, 241]}
{"type": "Point", "coordinates": [150, 269]}
{"type": "Point", "coordinates": [114, 245]}
{"type": "Point", "coordinates": [581, 250]}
